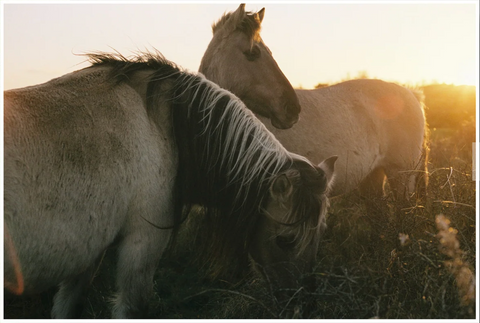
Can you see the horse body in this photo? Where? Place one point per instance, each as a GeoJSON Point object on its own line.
{"type": "Point", "coordinates": [374, 127]}
{"type": "Point", "coordinates": [111, 154]}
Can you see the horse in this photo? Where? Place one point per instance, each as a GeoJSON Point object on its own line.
{"type": "Point", "coordinates": [116, 154]}
{"type": "Point", "coordinates": [377, 129]}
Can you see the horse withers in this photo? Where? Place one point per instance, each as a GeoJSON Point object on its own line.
{"type": "Point", "coordinates": [117, 151]}
{"type": "Point", "coordinates": [376, 128]}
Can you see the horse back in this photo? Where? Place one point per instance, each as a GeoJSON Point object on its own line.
{"type": "Point", "coordinates": [390, 114]}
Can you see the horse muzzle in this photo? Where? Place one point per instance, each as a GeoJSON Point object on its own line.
{"type": "Point", "coordinates": [285, 123]}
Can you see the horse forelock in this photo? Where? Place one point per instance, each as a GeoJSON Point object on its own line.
{"type": "Point", "coordinates": [248, 25]}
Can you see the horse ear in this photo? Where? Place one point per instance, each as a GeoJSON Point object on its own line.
{"type": "Point", "coordinates": [281, 188]}
{"type": "Point", "coordinates": [328, 167]}
{"type": "Point", "coordinates": [241, 8]}
{"type": "Point", "coordinates": [237, 17]}
{"type": "Point", "coordinates": [259, 15]}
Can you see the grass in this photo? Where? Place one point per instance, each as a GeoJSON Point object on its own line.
{"type": "Point", "coordinates": [418, 262]}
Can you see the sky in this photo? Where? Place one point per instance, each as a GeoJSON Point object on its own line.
{"type": "Point", "coordinates": [313, 42]}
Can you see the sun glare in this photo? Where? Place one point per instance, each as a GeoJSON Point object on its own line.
{"type": "Point", "coordinates": [458, 74]}
{"type": "Point", "coordinates": [466, 77]}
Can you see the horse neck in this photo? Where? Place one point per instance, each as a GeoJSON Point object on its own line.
{"type": "Point", "coordinates": [212, 65]}
{"type": "Point", "coordinates": [208, 67]}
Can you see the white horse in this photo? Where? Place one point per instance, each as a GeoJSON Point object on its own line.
{"type": "Point", "coordinates": [376, 128]}
{"type": "Point", "coordinates": [113, 152]}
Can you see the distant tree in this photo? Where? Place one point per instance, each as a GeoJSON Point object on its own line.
{"type": "Point", "coordinates": [449, 106]}
{"type": "Point", "coordinates": [360, 75]}
{"type": "Point", "coordinates": [320, 85]}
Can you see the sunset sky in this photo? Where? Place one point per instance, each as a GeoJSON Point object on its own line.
{"type": "Point", "coordinates": [312, 42]}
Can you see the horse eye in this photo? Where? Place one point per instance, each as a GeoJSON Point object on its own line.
{"type": "Point", "coordinates": [252, 54]}
{"type": "Point", "coordinates": [285, 242]}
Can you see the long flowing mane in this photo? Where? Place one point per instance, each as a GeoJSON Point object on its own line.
{"type": "Point", "coordinates": [226, 156]}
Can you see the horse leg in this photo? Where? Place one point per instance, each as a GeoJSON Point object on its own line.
{"type": "Point", "coordinates": [402, 184]}
{"type": "Point", "coordinates": [372, 191]}
{"type": "Point", "coordinates": [68, 301]}
{"type": "Point", "coordinates": [138, 256]}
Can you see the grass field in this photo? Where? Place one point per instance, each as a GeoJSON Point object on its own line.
{"type": "Point", "coordinates": [416, 262]}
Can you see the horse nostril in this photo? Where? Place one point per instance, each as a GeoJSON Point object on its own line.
{"type": "Point", "coordinates": [292, 114]}
{"type": "Point", "coordinates": [295, 118]}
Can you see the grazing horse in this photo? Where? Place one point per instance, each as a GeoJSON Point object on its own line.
{"type": "Point", "coordinates": [115, 152]}
{"type": "Point", "coordinates": [376, 128]}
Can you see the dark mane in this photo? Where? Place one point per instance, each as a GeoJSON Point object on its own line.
{"type": "Point", "coordinates": [123, 67]}
{"type": "Point", "coordinates": [249, 25]}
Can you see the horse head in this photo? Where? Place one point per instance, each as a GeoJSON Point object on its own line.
{"type": "Point", "coordinates": [288, 235]}
{"type": "Point", "coordinates": [237, 59]}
